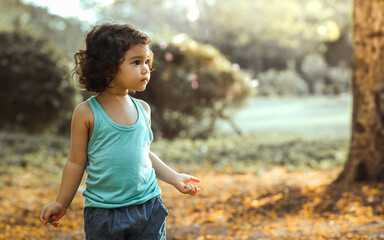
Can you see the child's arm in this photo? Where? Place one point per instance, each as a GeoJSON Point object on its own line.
{"type": "Point", "coordinates": [74, 167]}
{"type": "Point", "coordinates": [181, 182]}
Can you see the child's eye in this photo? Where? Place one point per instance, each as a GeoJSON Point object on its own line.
{"type": "Point", "coordinates": [147, 62]}
{"type": "Point", "coordinates": [137, 62]}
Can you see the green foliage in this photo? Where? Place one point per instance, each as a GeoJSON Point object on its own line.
{"type": "Point", "coordinates": [65, 33]}
{"type": "Point", "coordinates": [193, 85]}
{"type": "Point", "coordinates": [33, 91]}
{"type": "Point", "coordinates": [280, 32]}
{"type": "Point", "coordinates": [20, 150]}
{"type": "Point", "coordinates": [316, 35]}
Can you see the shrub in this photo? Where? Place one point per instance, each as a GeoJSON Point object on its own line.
{"type": "Point", "coordinates": [193, 86]}
{"type": "Point", "coordinates": [316, 78]}
{"type": "Point", "coordinates": [314, 68]}
{"type": "Point", "coordinates": [339, 78]}
{"type": "Point", "coordinates": [285, 82]}
{"type": "Point", "coordinates": [33, 91]}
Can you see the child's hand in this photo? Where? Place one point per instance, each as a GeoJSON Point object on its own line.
{"type": "Point", "coordinates": [184, 185]}
{"type": "Point", "coordinates": [52, 214]}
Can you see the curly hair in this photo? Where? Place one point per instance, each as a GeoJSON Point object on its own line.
{"type": "Point", "coordinates": [106, 45]}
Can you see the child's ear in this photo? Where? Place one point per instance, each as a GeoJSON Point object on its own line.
{"type": "Point", "coordinates": [122, 60]}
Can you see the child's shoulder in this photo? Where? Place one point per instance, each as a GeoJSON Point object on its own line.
{"type": "Point", "coordinates": [145, 105]}
{"type": "Point", "coordinates": [83, 112]}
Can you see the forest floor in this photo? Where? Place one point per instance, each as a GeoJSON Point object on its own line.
{"type": "Point", "coordinates": [277, 204]}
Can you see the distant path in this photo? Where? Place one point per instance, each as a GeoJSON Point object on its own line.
{"type": "Point", "coordinates": [320, 116]}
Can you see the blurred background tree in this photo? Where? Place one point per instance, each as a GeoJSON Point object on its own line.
{"type": "Point", "coordinates": [33, 91]}
{"type": "Point", "coordinates": [312, 38]}
{"type": "Point", "coordinates": [65, 33]}
{"type": "Point", "coordinates": [366, 155]}
{"type": "Point", "coordinates": [36, 52]}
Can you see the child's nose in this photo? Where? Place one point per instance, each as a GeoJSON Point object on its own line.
{"type": "Point", "coordinates": [145, 69]}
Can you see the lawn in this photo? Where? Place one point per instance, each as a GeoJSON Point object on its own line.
{"type": "Point", "coordinates": [315, 116]}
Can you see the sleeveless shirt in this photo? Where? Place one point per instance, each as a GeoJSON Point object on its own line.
{"type": "Point", "coordinates": [119, 170]}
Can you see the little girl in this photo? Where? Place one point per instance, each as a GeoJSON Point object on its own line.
{"type": "Point", "coordinates": [110, 139]}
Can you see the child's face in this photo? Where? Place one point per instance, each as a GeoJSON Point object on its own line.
{"type": "Point", "coordinates": [134, 73]}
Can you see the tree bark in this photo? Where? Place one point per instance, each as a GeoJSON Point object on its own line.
{"type": "Point", "coordinates": [366, 155]}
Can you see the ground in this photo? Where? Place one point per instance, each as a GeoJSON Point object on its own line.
{"type": "Point", "coordinates": [274, 205]}
{"type": "Point", "coordinates": [245, 195]}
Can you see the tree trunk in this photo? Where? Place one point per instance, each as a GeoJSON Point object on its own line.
{"type": "Point", "coordinates": [366, 155]}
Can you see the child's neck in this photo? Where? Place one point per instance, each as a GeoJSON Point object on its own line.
{"type": "Point", "coordinates": [113, 92]}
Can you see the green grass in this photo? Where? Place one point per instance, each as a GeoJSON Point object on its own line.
{"type": "Point", "coordinates": [21, 150]}
{"type": "Point", "coordinates": [253, 153]}
{"type": "Point", "coordinates": [234, 154]}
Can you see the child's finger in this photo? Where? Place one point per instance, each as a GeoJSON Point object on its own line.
{"type": "Point", "coordinates": [188, 188]}
{"type": "Point", "coordinates": [194, 179]}
{"type": "Point", "coordinates": [42, 217]}
{"type": "Point", "coordinates": [195, 191]}
{"type": "Point", "coordinates": [47, 215]}
{"type": "Point", "coordinates": [55, 223]}
{"type": "Point", "coordinates": [54, 220]}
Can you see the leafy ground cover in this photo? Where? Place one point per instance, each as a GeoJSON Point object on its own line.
{"type": "Point", "coordinates": [278, 204]}
{"type": "Point", "coordinates": [254, 187]}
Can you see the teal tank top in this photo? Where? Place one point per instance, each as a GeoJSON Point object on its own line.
{"type": "Point", "coordinates": [119, 171]}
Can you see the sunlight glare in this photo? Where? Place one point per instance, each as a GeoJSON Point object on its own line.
{"type": "Point", "coordinates": [68, 8]}
{"type": "Point", "coordinates": [322, 30]}
{"type": "Point", "coordinates": [193, 10]}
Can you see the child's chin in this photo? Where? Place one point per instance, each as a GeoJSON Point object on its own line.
{"type": "Point", "coordinates": [140, 89]}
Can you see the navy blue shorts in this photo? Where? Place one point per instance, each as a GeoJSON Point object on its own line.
{"type": "Point", "coordinates": [143, 221]}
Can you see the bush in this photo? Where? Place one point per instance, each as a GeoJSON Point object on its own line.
{"type": "Point", "coordinates": [314, 68]}
{"type": "Point", "coordinates": [285, 82]}
{"type": "Point", "coordinates": [317, 78]}
{"type": "Point", "coordinates": [339, 79]}
{"type": "Point", "coordinates": [33, 91]}
{"type": "Point", "coordinates": [193, 86]}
